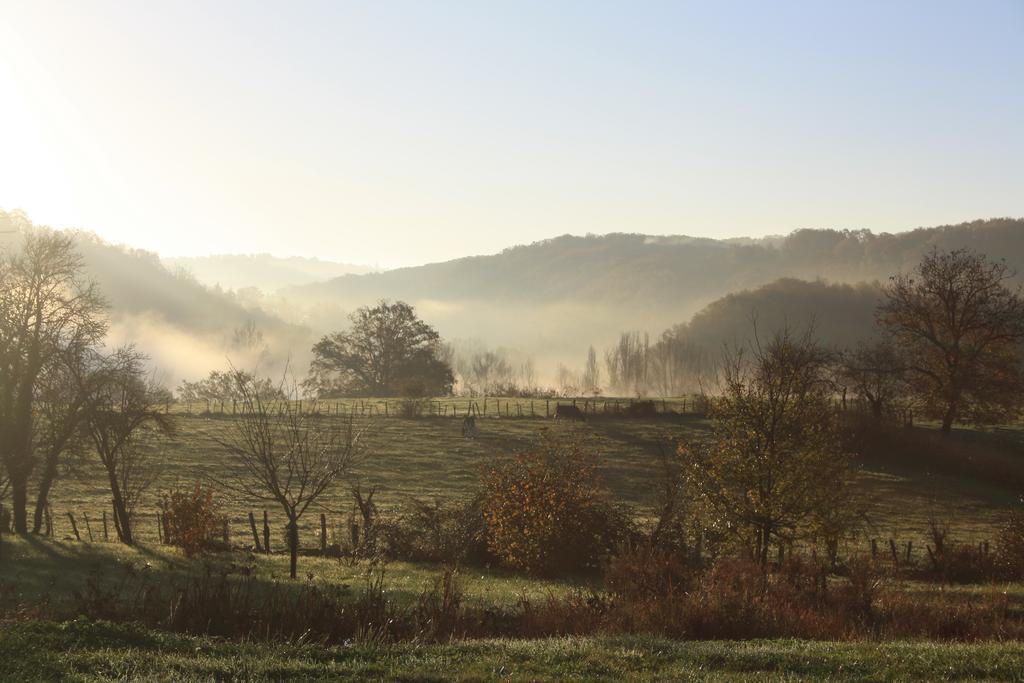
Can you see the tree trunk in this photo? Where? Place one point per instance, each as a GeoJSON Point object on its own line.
{"type": "Point", "coordinates": [122, 520]}
{"type": "Point", "coordinates": [293, 546]}
{"type": "Point", "coordinates": [45, 484]}
{"type": "Point", "coordinates": [19, 502]}
{"type": "Point", "coordinates": [948, 418]}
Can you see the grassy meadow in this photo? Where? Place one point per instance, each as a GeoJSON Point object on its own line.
{"type": "Point", "coordinates": [82, 651]}
{"type": "Point", "coordinates": [429, 458]}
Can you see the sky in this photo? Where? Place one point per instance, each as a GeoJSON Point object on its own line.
{"type": "Point", "coordinates": [399, 133]}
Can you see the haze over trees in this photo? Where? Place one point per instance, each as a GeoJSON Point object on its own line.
{"type": "Point", "coordinates": [569, 292]}
{"type": "Point", "coordinates": [184, 326]}
{"type": "Point", "coordinates": [263, 271]}
{"type": "Point", "coordinates": [564, 294]}
{"type": "Point", "coordinates": [224, 386]}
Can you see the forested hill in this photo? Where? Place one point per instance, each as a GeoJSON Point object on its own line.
{"type": "Point", "coordinates": [556, 296]}
{"type": "Point", "coordinates": [187, 328]}
{"type": "Point", "coordinates": [681, 271]}
{"type": "Point", "coordinates": [550, 299]}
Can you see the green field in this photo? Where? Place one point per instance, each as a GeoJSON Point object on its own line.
{"type": "Point", "coordinates": [429, 458]}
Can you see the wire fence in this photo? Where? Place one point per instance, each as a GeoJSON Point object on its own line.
{"type": "Point", "coordinates": [457, 407]}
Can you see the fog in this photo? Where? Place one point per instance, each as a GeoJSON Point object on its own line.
{"type": "Point", "coordinates": [542, 305]}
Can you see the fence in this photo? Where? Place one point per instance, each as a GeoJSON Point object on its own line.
{"type": "Point", "coordinates": [487, 406]}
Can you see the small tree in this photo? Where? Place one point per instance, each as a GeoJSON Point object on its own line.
{"type": "Point", "coordinates": [591, 379]}
{"type": "Point", "coordinates": [122, 419]}
{"type": "Point", "coordinates": [386, 349]}
{"type": "Point", "coordinates": [192, 518]}
{"type": "Point", "coordinates": [773, 463]}
{"type": "Point", "coordinates": [959, 327]}
{"type": "Point", "coordinates": [288, 457]}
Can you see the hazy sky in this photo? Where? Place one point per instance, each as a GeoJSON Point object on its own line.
{"type": "Point", "coordinates": [405, 132]}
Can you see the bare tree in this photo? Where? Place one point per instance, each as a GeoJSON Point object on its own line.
{"type": "Point", "coordinates": [959, 327]}
{"type": "Point", "coordinates": [46, 306]}
{"type": "Point", "coordinates": [677, 366]}
{"type": "Point", "coordinates": [62, 407]}
{"type": "Point", "coordinates": [591, 379]}
{"type": "Point", "coordinates": [528, 376]}
{"type": "Point", "coordinates": [568, 381]}
{"type": "Point", "coordinates": [287, 456]}
{"type": "Point", "coordinates": [627, 363]}
{"type": "Point", "coordinates": [122, 421]}
{"type": "Point", "coordinates": [874, 372]}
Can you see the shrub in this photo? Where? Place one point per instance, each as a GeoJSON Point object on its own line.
{"type": "Point", "coordinates": [641, 409]}
{"type": "Point", "coordinates": [437, 531]}
{"type": "Point", "coordinates": [548, 512]}
{"type": "Point", "coordinates": [645, 570]}
{"type": "Point", "coordinates": [439, 614]}
{"type": "Point", "coordinates": [192, 519]}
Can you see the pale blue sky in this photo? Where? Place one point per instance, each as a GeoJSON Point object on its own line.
{"type": "Point", "coordinates": [405, 132]}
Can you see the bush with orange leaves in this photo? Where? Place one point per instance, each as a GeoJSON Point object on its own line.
{"type": "Point", "coordinates": [192, 519]}
{"type": "Point", "coordinates": [548, 511]}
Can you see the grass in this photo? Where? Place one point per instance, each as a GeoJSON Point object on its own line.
{"type": "Point", "coordinates": [429, 458]}
{"type": "Point", "coordinates": [426, 458]}
{"type": "Point", "coordinates": [82, 651]}
{"type": "Point", "coordinates": [32, 568]}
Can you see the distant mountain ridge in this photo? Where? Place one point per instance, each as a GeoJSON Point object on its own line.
{"type": "Point", "coordinates": [263, 271]}
{"type": "Point", "coordinates": [630, 267]}
{"type": "Point", "coordinates": [550, 299]}
{"type": "Point", "coordinates": [558, 295]}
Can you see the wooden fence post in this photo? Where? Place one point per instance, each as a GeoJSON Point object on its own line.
{"type": "Point", "coordinates": [266, 533]}
{"type": "Point", "coordinates": [255, 534]}
{"type": "Point", "coordinates": [160, 528]}
{"type": "Point", "coordinates": [323, 534]}
{"type": "Point", "coordinates": [88, 527]}
{"type": "Point", "coordinates": [74, 527]}
{"type": "Point", "coordinates": [105, 537]}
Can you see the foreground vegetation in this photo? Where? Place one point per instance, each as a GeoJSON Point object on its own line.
{"type": "Point", "coordinates": [84, 651]}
